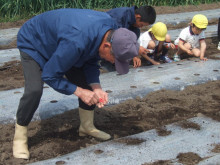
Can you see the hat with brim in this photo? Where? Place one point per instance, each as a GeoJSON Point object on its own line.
{"type": "Point", "coordinates": [157, 37]}
{"type": "Point", "coordinates": [159, 31]}
{"type": "Point", "coordinates": [125, 47]}
{"type": "Point", "coordinates": [200, 21]}
{"type": "Point", "coordinates": [121, 67]}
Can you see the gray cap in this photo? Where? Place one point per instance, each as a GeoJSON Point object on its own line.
{"type": "Point", "coordinates": [125, 47]}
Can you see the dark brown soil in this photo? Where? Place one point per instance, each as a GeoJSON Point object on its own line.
{"type": "Point", "coordinates": [187, 124]}
{"type": "Point", "coordinates": [59, 135]}
{"type": "Point", "coordinates": [159, 162]}
{"type": "Point", "coordinates": [11, 75]}
{"type": "Point", "coordinates": [217, 148]}
{"type": "Point", "coordinates": [189, 158]}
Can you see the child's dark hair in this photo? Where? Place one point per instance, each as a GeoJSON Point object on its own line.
{"type": "Point", "coordinates": [147, 13]}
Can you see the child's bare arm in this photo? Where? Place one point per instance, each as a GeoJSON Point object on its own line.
{"type": "Point", "coordinates": [151, 60]}
{"type": "Point", "coordinates": [160, 47]}
{"type": "Point", "coordinates": [202, 50]}
{"type": "Point", "coordinates": [183, 48]}
{"type": "Point", "coordinates": [142, 50]}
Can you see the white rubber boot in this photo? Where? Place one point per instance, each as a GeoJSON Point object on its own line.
{"type": "Point", "coordinates": [87, 126]}
{"type": "Point", "coordinates": [20, 146]}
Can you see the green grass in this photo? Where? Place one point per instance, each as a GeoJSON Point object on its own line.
{"type": "Point", "coordinates": [16, 9]}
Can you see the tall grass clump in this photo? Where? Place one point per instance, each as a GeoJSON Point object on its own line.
{"type": "Point", "coordinates": [27, 8]}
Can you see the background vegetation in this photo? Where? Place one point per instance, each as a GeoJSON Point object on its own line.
{"type": "Point", "coordinates": [17, 9]}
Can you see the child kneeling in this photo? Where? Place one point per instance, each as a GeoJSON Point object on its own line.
{"type": "Point", "coordinates": [192, 39]}
{"type": "Point", "coordinates": [156, 41]}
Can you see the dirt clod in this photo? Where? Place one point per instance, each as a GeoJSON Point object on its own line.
{"type": "Point", "coordinates": [189, 158]}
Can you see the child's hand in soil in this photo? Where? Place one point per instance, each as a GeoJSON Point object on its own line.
{"type": "Point", "coordinates": [203, 59]}
{"type": "Point", "coordinates": [155, 63]}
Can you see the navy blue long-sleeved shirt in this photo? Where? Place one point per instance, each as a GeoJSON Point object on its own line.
{"type": "Point", "coordinates": [65, 38]}
{"type": "Point", "coordinates": [125, 18]}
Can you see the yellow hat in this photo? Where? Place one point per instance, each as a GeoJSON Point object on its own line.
{"type": "Point", "coordinates": [159, 31]}
{"type": "Point", "coordinates": [200, 21]}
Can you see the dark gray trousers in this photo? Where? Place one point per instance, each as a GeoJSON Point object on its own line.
{"type": "Point", "coordinates": [33, 88]}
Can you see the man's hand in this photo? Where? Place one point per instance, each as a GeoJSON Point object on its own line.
{"type": "Point", "coordinates": [87, 96]}
{"type": "Point", "coordinates": [136, 62]}
{"type": "Point", "coordinates": [98, 96]}
{"type": "Point", "coordinates": [103, 97]}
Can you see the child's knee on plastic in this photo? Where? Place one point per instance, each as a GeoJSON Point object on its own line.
{"type": "Point", "coordinates": [196, 52]}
